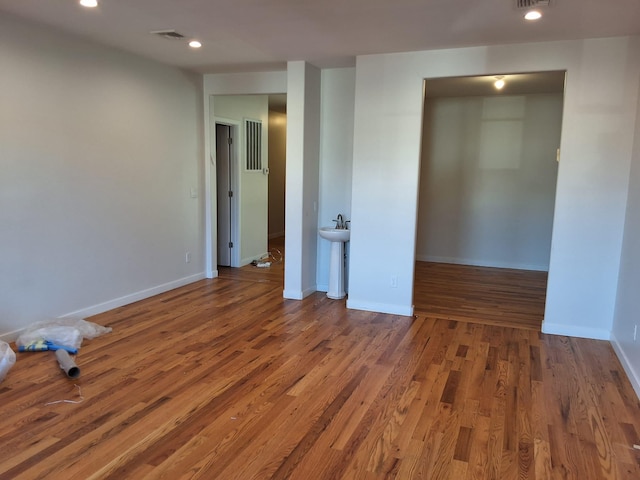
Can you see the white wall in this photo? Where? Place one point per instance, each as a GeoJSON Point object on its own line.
{"type": "Point", "coordinates": [277, 166]}
{"type": "Point", "coordinates": [488, 180]}
{"type": "Point", "coordinates": [252, 193]}
{"type": "Point", "coordinates": [227, 84]}
{"type": "Point", "coordinates": [336, 158]}
{"type": "Point", "coordinates": [336, 143]}
{"type": "Point", "coordinates": [627, 316]}
{"type": "Point", "coordinates": [597, 138]}
{"type": "Point", "coordinates": [99, 151]}
{"type": "Point", "coordinates": [302, 177]}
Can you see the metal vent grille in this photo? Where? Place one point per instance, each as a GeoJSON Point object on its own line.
{"type": "Point", "coordinates": [170, 34]}
{"type": "Point", "coordinates": [253, 144]}
{"type": "Point", "coordinates": [526, 4]}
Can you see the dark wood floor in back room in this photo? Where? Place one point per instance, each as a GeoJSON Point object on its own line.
{"type": "Point", "coordinates": [493, 296]}
{"type": "Point", "coordinates": [224, 379]}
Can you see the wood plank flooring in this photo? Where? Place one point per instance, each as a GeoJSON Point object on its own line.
{"type": "Point", "coordinates": [493, 296]}
{"type": "Point", "coordinates": [224, 379]}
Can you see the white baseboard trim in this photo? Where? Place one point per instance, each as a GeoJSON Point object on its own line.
{"type": "Point", "coordinates": [246, 261]}
{"type": "Point", "coordinates": [117, 302]}
{"type": "Point", "coordinates": [323, 288]}
{"type": "Point", "coordinates": [380, 307]}
{"type": "Point", "coordinates": [257, 258]}
{"type": "Point", "coordinates": [11, 336]}
{"type": "Point", "coordinates": [134, 297]}
{"type": "Point", "coordinates": [298, 294]}
{"type": "Point", "coordinates": [482, 263]}
{"type": "Point", "coordinates": [632, 374]}
{"type": "Point", "coordinates": [575, 331]}
{"type": "Point", "coordinates": [309, 291]}
{"type": "Point", "coordinates": [292, 295]}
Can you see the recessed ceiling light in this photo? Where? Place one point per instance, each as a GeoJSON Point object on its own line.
{"type": "Point", "coordinates": [195, 44]}
{"type": "Point", "coordinates": [533, 15]}
{"type": "Point", "coordinates": [89, 3]}
{"type": "Point", "coordinates": [499, 83]}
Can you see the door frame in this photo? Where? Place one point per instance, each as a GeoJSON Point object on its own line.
{"type": "Point", "coordinates": [233, 183]}
{"type": "Point", "coordinates": [213, 85]}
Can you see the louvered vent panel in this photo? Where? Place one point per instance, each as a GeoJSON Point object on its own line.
{"type": "Point", "coordinates": [525, 4]}
{"type": "Point", "coordinates": [253, 140]}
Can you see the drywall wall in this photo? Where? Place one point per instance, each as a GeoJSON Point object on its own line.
{"type": "Point", "coordinates": [302, 177]}
{"type": "Point", "coordinates": [277, 166]}
{"type": "Point", "coordinates": [99, 153]}
{"type": "Point", "coordinates": [626, 327]}
{"type": "Point", "coordinates": [336, 155]}
{"type": "Point", "coordinates": [488, 180]}
{"type": "Point", "coordinates": [336, 140]}
{"type": "Point", "coordinates": [596, 143]}
{"type": "Point", "coordinates": [252, 192]}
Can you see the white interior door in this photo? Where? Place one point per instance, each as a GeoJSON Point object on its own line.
{"type": "Point", "coordinates": [225, 193]}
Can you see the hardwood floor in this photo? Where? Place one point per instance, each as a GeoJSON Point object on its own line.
{"type": "Point", "coordinates": [493, 296]}
{"type": "Point", "coordinates": [224, 379]}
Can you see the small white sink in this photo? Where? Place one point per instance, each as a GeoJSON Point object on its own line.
{"type": "Point", "coordinates": [335, 234]}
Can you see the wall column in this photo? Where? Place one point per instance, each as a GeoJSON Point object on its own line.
{"type": "Point", "coordinates": [302, 174]}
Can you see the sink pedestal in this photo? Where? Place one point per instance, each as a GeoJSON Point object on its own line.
{"type": "Point", "coordinates": [337, 237]}
{"type": "Point", "coordinates": [336, 271]}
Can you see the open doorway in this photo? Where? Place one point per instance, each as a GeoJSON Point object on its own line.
{"type": "Point", "coordinates": [487, 196]}
{"type": "Point", "coordinates": [277, 171]}
{"type": "Point", "coordinates": [248, 135]}
{"type": "Point", "coordinates": [277, 164]}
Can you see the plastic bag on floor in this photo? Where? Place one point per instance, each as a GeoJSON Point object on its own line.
{"type": "Point", "coordinates": [7, 359]}
{"type": "Point", "coordinates": [66, 332]}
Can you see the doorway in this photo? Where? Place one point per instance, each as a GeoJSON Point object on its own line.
{"type": "Point", "coordinates": [487, 192]}
{"type": "Point", "coordinates": [225, 192]}
{"type": "Point", "coordinates": [242, 162]}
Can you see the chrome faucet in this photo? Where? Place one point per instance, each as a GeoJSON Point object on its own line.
{"type": "Point", "coordinates": [340, 223]}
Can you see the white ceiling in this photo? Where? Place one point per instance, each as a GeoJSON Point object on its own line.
{"type": "Point", "coordinates": [243, 35]}
{"type": "Point", "coordinates": [515, 84]}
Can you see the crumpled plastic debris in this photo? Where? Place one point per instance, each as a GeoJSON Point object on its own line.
{"type": "Point", "coordinates": [64, 332]}
{"type": "Point", "coordinates": [7, 359]}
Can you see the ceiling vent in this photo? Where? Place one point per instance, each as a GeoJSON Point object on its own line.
{"type": "Point", "coordinates": [170, 34]}
{"type": "Point", "coordinates": [528, 4]}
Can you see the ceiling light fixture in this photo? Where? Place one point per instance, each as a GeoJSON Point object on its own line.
{"type": "Point", "coordinates": [499, 83]}
{"type": "Point", "coordinates": [533, 15]}
{"type": "Point", "coordinates": [195, 44]}
{"type": "Point", "coordinates": [89, 3]}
